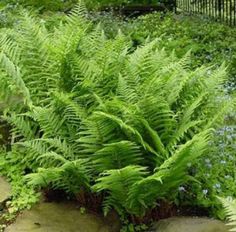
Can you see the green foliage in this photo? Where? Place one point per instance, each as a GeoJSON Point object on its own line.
{"type": "Point", "coordinates": [209, 42]}
{"type": "Point", "coordinates": [95, 115]}
{"type": "Point", "coordinates": [98, 4]}
{"type": "Point", "coordinates": [230, 210]}
{"type": "Point", "coordinates": [44, 5]}
{"type": "Point", "coordinates": [133, 228]}
{"type": "Point", "coordinates": [22, 195]}
{"type": "Point", "coordinates": [215, 172]}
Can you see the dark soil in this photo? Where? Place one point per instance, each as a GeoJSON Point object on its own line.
{"type": "Point", "coordinates": [93, 204]}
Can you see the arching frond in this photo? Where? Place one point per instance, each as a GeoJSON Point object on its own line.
{"type": "Point", "coordinates": [118, 183]}
{"type": "Point", "coordinates": [168, 176]}
{"type": "Point", "coordinates": [230, 209]}
{"type": "Point", "coordinates": [116, 156]}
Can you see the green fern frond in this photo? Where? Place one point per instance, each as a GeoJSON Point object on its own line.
{"type": "Point", "coordinates": [61, 146]}
{"type": "Point", "coordinates": [51, 159]}
{"type": "Point", "coordinates": [22, 126]}
{"type": "Point", "coordinates": [71, 177]}
{"type": "Point", "coordinates": [230, 210]}
{"type": "Point", "coordinates": [42, 178]}
{"type": "Point", "coordinates": [117, 183]}
{"type": "Point", "coordinates": [168, 176]}
{"type": "Point", "coordinates": [13, 72]}
{"type": "Point", "coordinates": [116, 156]}
{"type": "Point", "coordinates": [45, 115]}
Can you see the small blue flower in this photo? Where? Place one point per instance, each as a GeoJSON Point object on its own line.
{"type": "Point", "coordinates": [205, 191]}
{"type": "Point", "coordinates": [227, 176]}
{"type": "Point", "coordinates": [181, 189]}
{"type": "Point", "coordinates": [217, 185]}
{"type": "Point", "coordinates": [209, 165]}
{"type": "Point", "coordinates": [223, 162]}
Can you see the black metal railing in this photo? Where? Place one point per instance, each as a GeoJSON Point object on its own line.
{"type": "Point", "coordinates": [220, 10]}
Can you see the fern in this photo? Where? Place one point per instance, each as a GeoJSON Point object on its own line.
{"type": "Point", "coordinates": [71, 176]}
{"type": "Point", "coordinates": [116, 156]}
{"type": "Point", "coordinates": [118, 182]}
{"type": "Point", "coordinates": [95, 114]}
{"type": "Point", "coordinates": [230, 210]}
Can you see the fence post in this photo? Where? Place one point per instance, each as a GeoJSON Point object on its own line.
{"type": "Point", "coordinates": [220, 10]}
{"type": "Point", "coordinates": [175, 6]}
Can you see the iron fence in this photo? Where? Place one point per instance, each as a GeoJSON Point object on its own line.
{"type": "Point", "coordinates": [220, 10]}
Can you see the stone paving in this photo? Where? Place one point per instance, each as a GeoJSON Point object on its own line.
{"type": "Point", "coordinates": [188, 224]}
{"type": "Point", "coordinates": [58, 217]}
{"type": "Point", "coordinates": [5, 190]}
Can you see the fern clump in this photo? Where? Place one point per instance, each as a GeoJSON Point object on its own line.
{"type": "Point", "coordinates": [95, 116]}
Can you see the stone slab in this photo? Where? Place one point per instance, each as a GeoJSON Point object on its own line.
{"type": "Point", "coordinates": [5, 190]}
{"type": "Point", "coordinates": [58, 217]}
{"type": "Point", "coordinates": [188, 224]}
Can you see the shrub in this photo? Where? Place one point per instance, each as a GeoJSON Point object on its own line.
{"type": "Point", "coordinates": [117, 3]}
{"type": "Point", "coordinates": [93, 115]}
{"type": "Point", "coordinates": [48, 5]}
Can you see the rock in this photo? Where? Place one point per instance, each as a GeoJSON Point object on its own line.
{"type": "Point", "coordinates": [58, 217]}
{"type": "Point", "coordinates": [188, 224]}
{"type": "Point", "coordinates": [5, 190]}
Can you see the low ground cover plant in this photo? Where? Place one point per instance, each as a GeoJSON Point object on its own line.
{"type": "Point", "coordinates": [103, 120]}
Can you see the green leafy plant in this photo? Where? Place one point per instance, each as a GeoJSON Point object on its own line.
{"type": "Point", "coordinates": [210, 42]}
{"type": "Point", "coordinates": [48, 5]}
{"type": "Point", "coordinates": [230, 210]}
{"type": "Point", "coordinates": [94, 116]}
{"type": "Point", "coordinates": [118, 3]}
{"type": "Point", "coordinates": [215, 171]}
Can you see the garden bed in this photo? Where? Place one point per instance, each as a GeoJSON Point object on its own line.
{"type": "Point", "coordinates": [126, 120]}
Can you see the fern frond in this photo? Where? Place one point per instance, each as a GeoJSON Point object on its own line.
{"type": "Point", "coordinates": [117, 183]}
{"type": "Point", "coordinates": [116, 156]}
{"type": "Point", "coordinates": [13, 72]}
{"type": "Point", "coordinates": [168, 176]}
{"type": "Point", "coordinates": [45, 115]}
{"type": "Point", "coordinates": [22, 126]}
{"type": "Point", "coordinates": [42, 178]}
{"type": "Point", "coordinates": [230, 210]}
{"type": "Point", "coordinates": [51, 159]}
{"type": "Point", "coordinates": [71, 177]}
{"type": "Point", "coordinates": [34, 148]}
{"type": "Point", "coordinates": [61, 146]}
